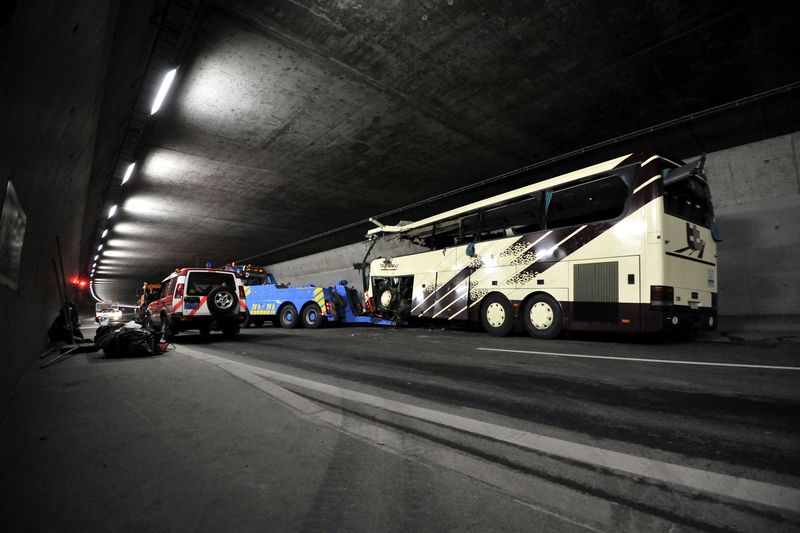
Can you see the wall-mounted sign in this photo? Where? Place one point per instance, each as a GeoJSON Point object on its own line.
{"type": "Point", "coordinates": [12, 235]}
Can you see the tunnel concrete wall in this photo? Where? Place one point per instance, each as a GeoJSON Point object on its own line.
{"type": "Point", "coordinates": [53, 58]}
{"type": "Point", "coordinates": [756, 193]}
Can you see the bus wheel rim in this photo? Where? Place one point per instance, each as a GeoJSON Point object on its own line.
{"type": "Point", "coordinates": [495, 314]}
{"type": "Point", "coordinates": [541, 315]}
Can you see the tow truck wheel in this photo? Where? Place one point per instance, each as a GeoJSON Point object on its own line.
{"type": "Point", "coordinates": [312, 317]}
{"type": "Point", "coordinates": [288, 316]}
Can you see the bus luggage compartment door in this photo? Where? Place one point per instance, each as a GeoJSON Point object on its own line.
{"type": "Point", "coordinates": [606, 295]}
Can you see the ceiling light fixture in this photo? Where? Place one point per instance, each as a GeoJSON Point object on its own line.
{"type": "Point", "coordinates": [97, 257]}
{"type": "Point", "coordinates": [100, 247]}
{"type": "Point", "coordinates": [128, 173]}
{"type": "Point", "coordinates": [162, 91]}
{"type": "Point", "coordinates": [94, 295]}
{"type": "Point", "coordinates": [112, 211]}
{"type": "Point", "coordinates": [105, 232]}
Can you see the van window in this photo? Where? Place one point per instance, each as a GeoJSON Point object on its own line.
{"type": "Point", "coordinates": [168, 287]}
{"type": "Point", "coordinates": [201, 283]}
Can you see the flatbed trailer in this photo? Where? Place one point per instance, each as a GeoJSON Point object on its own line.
{"type": "Point", "coordinates": [309, 306]}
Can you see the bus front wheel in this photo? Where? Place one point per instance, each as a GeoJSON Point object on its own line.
{"type": "Point", "coordinates": [497, 315]}
{"type": "Point", "coordinates": [542, 317]}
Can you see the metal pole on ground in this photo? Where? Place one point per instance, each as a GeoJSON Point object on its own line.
{"type": "Point", "coordinates": [63, 301]}
{"type": "Point", "coordinates": [64, 286]}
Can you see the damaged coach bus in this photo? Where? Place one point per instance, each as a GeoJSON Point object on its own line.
{"type": "Point", "coordinates": [626, 245]}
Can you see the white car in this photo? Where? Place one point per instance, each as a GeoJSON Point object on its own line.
{"type": "Point", "coordinates": [109, 310]}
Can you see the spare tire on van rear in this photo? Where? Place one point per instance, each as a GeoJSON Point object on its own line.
{"type": "Point", "coordinates": [222, 301]}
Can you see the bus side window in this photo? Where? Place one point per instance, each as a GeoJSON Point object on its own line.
{"type": "Point", "coordinates": [599, 199]}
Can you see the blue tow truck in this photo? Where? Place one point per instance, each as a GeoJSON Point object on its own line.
{"type": "Point", "coordinates": [309, 306]}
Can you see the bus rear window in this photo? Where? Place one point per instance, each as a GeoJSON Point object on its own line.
{"type": "Point", "coordinates": [688, 199]}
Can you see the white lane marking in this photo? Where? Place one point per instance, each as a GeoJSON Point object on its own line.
{"type": "Point", "coordinates": [643, 360]}
{"type": "Point", "coordinates": [703, 480]}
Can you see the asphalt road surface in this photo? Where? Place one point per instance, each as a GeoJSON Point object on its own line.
{"type": "Point", "coordinates": [696, 434]}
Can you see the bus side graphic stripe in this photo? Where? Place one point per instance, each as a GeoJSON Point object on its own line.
{"type": "Point", "coordinates": [446, 295]}
{"type": "Point", "coordinates": [517, 249]}
{"type": "Point", "coordinates": [554, 253]}
{"type": "Point", "coordinates": [550, 238]}
{"type": "Point", "coordinates": [646, 183]}
{"type": "Point", "coordinates": [433, 294]}
{"type": "Point", "coordinates": [451, 285]}
{"type": "Point", "coordinates": [437, 301]}
{"type": "Point", "coordinates": [463, 295]}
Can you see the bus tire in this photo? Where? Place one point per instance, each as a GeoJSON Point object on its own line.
{"type": "Point", "coordinates": [311, 316]}
{"type": "Point", "coordinates": [497, 315]}
{"type": "Point", "coordinates": [542, 317]}
{"type": "Point", "coordinates": [288, 316]}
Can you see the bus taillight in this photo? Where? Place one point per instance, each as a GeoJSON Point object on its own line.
{"type": "Point", "coordinates": [661, 295]}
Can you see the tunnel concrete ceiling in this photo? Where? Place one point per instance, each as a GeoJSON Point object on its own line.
{"type": "Point", "coordinates": [292, 118]}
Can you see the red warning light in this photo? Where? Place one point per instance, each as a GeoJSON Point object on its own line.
{"type": "Point", "coordinates": [78, 282]}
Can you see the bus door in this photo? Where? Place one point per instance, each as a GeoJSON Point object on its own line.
{"type": "Point", "coordinates": [423, 292]}
{"type": "Point", "coordinates": [447, 283]}
{"type": "Point", "coordinates": [606, 292]}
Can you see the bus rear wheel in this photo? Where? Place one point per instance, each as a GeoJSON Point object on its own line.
{"type": "Point", "coordinates": [497, 315]}
{"type": "Point", "coordinates": [542, 317]}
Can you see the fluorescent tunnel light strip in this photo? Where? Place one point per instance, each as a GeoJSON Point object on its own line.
{"type": "Point", "coordinates": [162, 91]}
{"type": "Point", "coordinates": [128, 173]}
